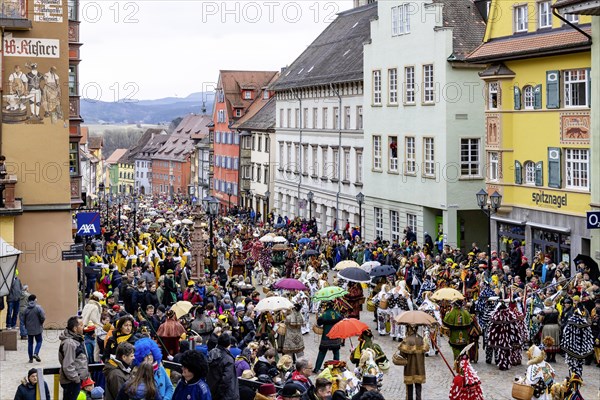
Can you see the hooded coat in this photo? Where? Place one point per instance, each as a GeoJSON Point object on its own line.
{"type": "Point", "coordinates": [222, 378]}
{"type": "Point", "coordinates": [116, 374]}
{"type": "Point", "coordinates": [34, 318]}
{"type": "Point", "coordinates": [27, 391]}
{"type": "Point", "coordinates": [72, 358]}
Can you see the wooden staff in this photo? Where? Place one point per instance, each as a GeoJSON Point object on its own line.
{"type": "Point", "coordinates": [443, 358]}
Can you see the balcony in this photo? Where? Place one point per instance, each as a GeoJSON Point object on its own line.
{"type": "Point", "coordinates": [13, 15]}
{"type": "Point", "coordinates": [9, 204]}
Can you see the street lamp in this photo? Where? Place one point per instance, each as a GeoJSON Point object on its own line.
{"type": "Point", "coordinates": [229, 193]}
{"type": "Point", "coordinates": [267, 197]}
{"type": "Point", "coordinates": [310, 196]}
{"type": "Point", "coordinates": [360, 198]}
{"type": "Point", "coordinates": [211, 205]}
{"type": "Point", "coordinates": [489, 209]}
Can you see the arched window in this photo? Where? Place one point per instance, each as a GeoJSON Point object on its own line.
{"type": "Point", "coordinates": [529, 173]}
{"type": "Point", "coordinates": [528, 99]}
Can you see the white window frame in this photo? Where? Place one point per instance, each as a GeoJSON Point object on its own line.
{"type": "Point", "coordinates": [544, 14]}
{"type": "Point", "coordinates": [336, 118]}
{"type": "Point", "coordinates": [324, 156]}
{"type": "Point", "coordinates": [315, 160]}
{"type": "Point", "coordinates": [336, 162]}
{"type": "Point", "coordinates": [493, 89]}
{"type": "Point", "coordinates": [377, 153]}
{"type": "Point", "coordinates": [520, 18]}
{"type": "Point", "coordinates": [281, 124]}
{"type": "Point", "coordinates": [289, 118]}
{"type": "Point", "coordinates": [297, 118]}
{"type": "Point", "coordinates": [572, 81]}
{"type": "Point", "coordinates": [401, 19]}
{"type": "Point", "coordinates": [347, 165]}
{"type": "Point", "coordinates": [289, 157]}
{"type": "Point", "coordinates": [395, 225]}
{"type": "Point", "coordinates": [410, 155]}
{"type": "Point", "coordinates": [359, 117]}
{"type": "Point", "coordinates": [409, 84]}
{"type": "Point", "coordinates": [297, 157]}
{"type": "Point", "coordinates": [247, 95]}
{"type": "Point", "coordinates": [577, 169]}
{"type": "Point", "coordinates": [428, 84]}
{"type": "Point", "coordinates": [470, 157]}
{"type": "Point", "coordinates": [494, 166]}
{"type": "Point", "coordinates": [396, 21]}
{"type": "Point", "coordinates": [359, 167]}
{"type": "Point", "coordinates": [281, 162]}
{"type": "Point", "coordinates": [347, 118]}
{"type": "Point", "coordinates": [572, 18]}
{"type": "Point", "coordinates": [376, 87]}
{"type": "Point", "coordinates": [315, 117]}
{"type": "Point", "coordinates": [393, 164]}
{"type": "Point", "coordinates": [393, 86]}
{"type": "Point", "coordinates": [324, 119]}
{"type": "Point", "coordinates": [529, 173]}
{"type": "Point", "coordinates": [429, 157]}
{"type": "Point", "coordinates": [305, 163]}
{"type": "Point", "coordinates": [411, 221]}
{"type": "Point", "coordinates": [528, 97]}
{"type": "Point", "coordinates": [378, 213]}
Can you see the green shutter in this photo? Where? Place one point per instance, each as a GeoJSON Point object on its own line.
{"type": "Point", "coordinates": [552, 89]}
{"type": "Point", "coordinates": [518, 173]}
{"type": "Point", "coordinates": [589, 86]}
{"type": "Point", "coordinates": [554, 172]}
{"type": "Point", "coordinates": [539, 173]}
{"type": "Point", "coordinates": [517, 93]}
{"type": "Point", "coordinates": [537, 97]}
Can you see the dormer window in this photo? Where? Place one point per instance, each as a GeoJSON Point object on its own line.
{"type": "Point", "coordinates": [247, 95]}
{"type": "Point", "coordinates": [238, 112]}
{"type": "Point", "coordinates": [265, 94]}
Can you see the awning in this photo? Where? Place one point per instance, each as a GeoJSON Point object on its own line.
{"type": "Point", "coordinates": [508, 221]}
{"type": "Point", "coordinates": [549, 227]}
{"type": "Point", "coordinates": [8, 263]}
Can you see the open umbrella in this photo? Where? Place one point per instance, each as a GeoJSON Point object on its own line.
{"type": "Point", "coordinates": [152, 213]}
{"type": "Point", "coordinates": [176, 222]}
{"type": "Point", "coordinates": [346, 264]}
{"type": "Point", "coordinates": [589, 263]}
{"type": "Point", "coordinates": [310, 253]}
{"type": "Point", "coordinates": [369, 265]}
{"type": "Point", "coordinates": [227, 219]}
{"type": "Point", "coordinates": [279, 239]}
{"type": "Point", "coordinates": [146, 221]}
{"type": "Point", "coordinates": [304, 240]}
{"type": "Point", "coordinates": [290, 284]}
{"type": "Point", "coordinates": [354, 274]}
{"type": "Point", "coordinates": [274, 303]}
{"type": "Point", "coordinates": [382, 270]}
{"type": "Point", "coordinates": [187, 221]}
{"type": "Point", "coordinates": [181, 308]}
{"type": "Point", "coordinates": [280, 246]}
{"type": "Point", "coordinates": [447, 294]}
{"type": "Point", "coordinates": [329, 293]}
{"type": "Point", "coordinates": [126, 208]}
{"type": "Point", "coordinates": [160, 221]}
{"type": "Point", "coordinates": [415, 318]}
{"type": "Point", "coordinates": [124, 217]}
{"type": "Point", "coordinates": [346, 328]}
{"type": "Point", "coordinates": [266, 239]}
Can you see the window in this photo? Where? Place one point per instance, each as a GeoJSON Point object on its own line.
{"type": "Point", "coordinates": [347, 165]}
{"type": "Point", "coordinates": [494, 166]}
{"type": "Point", "coordinates": [221, 116]}
{"type": "Point", "coordinates": [572, 18]}
{"type": "Point", "coordinates": [395, 21]}
{"type": "Point", "coordinates": [409, 85]}
{"type": "Point", "coordinates": [393, 86]}
{"type": "Point", "coordinates": [73, 158]}
{"type": "Point", "coordinates": [395, 226]}
{"type": "Point", "coordinates": [259, 147]}
{"type": "Point", "coordinates": [377, 152]}
{"type": "Point", "coordinates": [493, 95]}
{"type": "Point", "coordinates": [469, 158]}
{"type": "Point", "coordinates": [246, 172]}
{"type": "Point", "coordinates": [72, 9]}
{"type": "Point", "coordinates": [238, 112]}
{"type": "Point", "coordinates": [280, 155]}
{"type": "Point", "coordinates": [266, 172]}
{"type": "Point", "coordinates": [324, 154]}
{"type": "Point", "coordinates": [544, 14]}
{"type": "Point", "coordinates": [378, 222]}
{"type": "Point", "coordinates": [265, 94]}
{"type": "Point", "coordinates": [258, 173]}
{"type": "Point", "coordinates": [305, 163]}
{"type": "Point", "coordinates": [528, 97]}
{"type": "Point", "coordinates": [359, 117]}
{"type": "Point", "coordinates": [297, 119]}
{"type": "Point", "coordinates": [336, 118]}
{"type": "Point", "coordinates": [315, 161]}
{"type": "Point", "coordinates": [428, 83]}
{"type": "Point", "coordinates": [324, 118]}
{"type": "Point", "coordinates": [267, 145]}
{"type": "Point", "coordinates": [520, 18]}
{"type": "Point", "coordinates": [289, 156]}
{"type": "Point", "coordinates": [359, 167]}
{"type": "Point", "coordinates": [72, 80]}
{"type": "Point", "coordinates": [297, 157]}
{"type": "Point", "coordinates": [411, 222]}
{"type": "Point", "coordinates": [576, 88]}
{"type": "Point", "coordinates": [281, 118]}
{"type": "Point", "coordinates": [289, 118]}
{"type": "Point", "coordinates": [346, 118]}
{"type": "Point", "coordinates": [429, 157]}
{"type": "Point", "coordinates": [220, 96]}
{"type": "Point", "coordinates": [247, 95]}
{"type": "Point", "coordinates": [410, 156]}
{"type": "Point", "coordinates": [529, 173]}
{"type": "Point", "coordinates": [401, 19]}
{"type": "Point", "coordinates": [336, 163]}
{"type": "Point", "coordinates": [377, 87]}
{"type": "Point", "coordinates": [393, 153]}
{"type": "Point", "coordinates": [577, 163]}
{"type": "Point", "coordinates": [305, 118]}
{"type": "Point", "coordinates": [314, 117]}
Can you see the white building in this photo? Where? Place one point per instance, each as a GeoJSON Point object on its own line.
{"type": "Point", "coordinates": [142, 154]}
{"type": "Point", "coordinates": [424, 122]}
{"type": "Point", "coordinates": [319, 137]}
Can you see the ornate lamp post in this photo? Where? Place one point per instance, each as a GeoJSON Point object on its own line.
{"type": "Point", "coordinates": [211, 205]}
{"type": "Point", "coordinates": [310, 196]}
{"type": "Point", "coordinates": [360, 198]}
{"type": "Point", "coordinates": [489, 208]}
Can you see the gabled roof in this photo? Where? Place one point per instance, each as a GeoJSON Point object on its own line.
{"type": "Point", "coordinates": [126, 158]}
{"type": "Point", "coordinates": [84, 134]}
{"type": "Point", "coordinates": [535, 44]}
{"type": "Point", "coordinates": [95, 142]}
{"type": "Point", "coordinates": [336, 55]}
{"type": "Point", "coordinates": [115, 157]}
{"type": "Point", "coordinates": [135, 152]}
{"type": "Point", "coordinates": [194, 126]}
{"type": "Point", "coordinates": [176, 148]}
{"type": "Point", "coordinates": [262, 120]}
{"type": "Point", "coordinates": [468, 26]}
{"type": "Point", "coordinates": [232, 83]}
{"type": "Point", "coordinates": [496, 70]}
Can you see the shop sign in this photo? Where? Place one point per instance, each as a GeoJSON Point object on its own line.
{"type": "Point", "coordinates": [31, 47]}
{"type": "Point", "coordinates": [543, 199]}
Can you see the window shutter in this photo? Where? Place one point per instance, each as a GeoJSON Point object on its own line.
{"type": "Point", "coordinates": [517, 92]}
{"type": "Point", "coordinates": [539, 173]}
{"type": "Point", "coordinates": [552, 89]}
{"type": "Point", "coordinates": [554, 172]}
{"type": "Point", "coordinates": [518, 173]}
{"type": "Point", "coordinates": [537, 97]}
{"type": "Point", "coordinates": [589, 86]}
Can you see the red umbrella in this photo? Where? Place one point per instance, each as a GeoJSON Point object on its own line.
{"type": "Point", "coordinates": [290, 284]}
{"type": "Point", "coordinates": [346, 328]}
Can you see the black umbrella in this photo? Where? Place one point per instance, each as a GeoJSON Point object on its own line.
{"type": "Point", "coordinates": [383, 270]}
{"type": "Point", "coordinates": [590, 263]}
{"type": "Point", "coordinates": [310, 253]}
{"type": "Point", "coordinates": [354, 274]}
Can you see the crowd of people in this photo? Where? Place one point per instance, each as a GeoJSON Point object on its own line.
{"type": "Point", "coordinates": [148, 301]}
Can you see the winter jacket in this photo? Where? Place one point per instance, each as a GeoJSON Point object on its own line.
{"type": "Point", "coordinates": [116, 374]}
{"type": "Point", "coordinates": [221, 378]}
{"type": "Point", "coordinates": [152, 298]}
{"type": "Point", "coordinates": [24, 301]}
{"type": "Point", "coordinates": [194, 390]}
{"type": "Point", "coordinates": [72, 358]}
{"type": "Point", "coordinates": [27, 391]}
{"type": "Point", "coordinates": [164, 386]}
{"type": "Point", "coordinates": [91, 313]}
{"type": "Point", "coordinates": [34, 318]}
{"type": "Point", "coordinates": [15, 290]}
{"type": "Point", "coordinates": [263, 367]}
{"type": "Point", "coordinates": [138, 394]}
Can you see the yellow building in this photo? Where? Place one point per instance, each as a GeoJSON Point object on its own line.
{"type": "Point", "coordinates": [538, 92]}
{"type": "Point", "coordinates": [39, 104]}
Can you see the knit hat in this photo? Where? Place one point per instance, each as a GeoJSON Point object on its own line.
{"type": "Point", "coordinates": [97, 393]}
{"type": "Point", "coordinates": [31, 372]}
{"type": "Point", "coordinates": [267, 389]}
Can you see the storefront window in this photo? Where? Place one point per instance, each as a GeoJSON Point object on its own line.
{"type": "Point", "coordinates": [554, 243]}
{"type": "Point", "coordinates": [508, 233]}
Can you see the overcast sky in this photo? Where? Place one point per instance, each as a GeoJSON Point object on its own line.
{"type": "Point", "coordinates": [151, 49]}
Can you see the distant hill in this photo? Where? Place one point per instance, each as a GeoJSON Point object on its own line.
{"type": "Point", "coordinates": [144, 111]}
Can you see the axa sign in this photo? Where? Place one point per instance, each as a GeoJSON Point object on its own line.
{"type": "Point", "coordinates": [88, 223]}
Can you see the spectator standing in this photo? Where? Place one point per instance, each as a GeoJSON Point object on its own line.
{"type": "Point", "coordinates": [23, 303]}
{"type": "Point", "coordinates": [193, 386]}
{"type": "Point", "coordinates": [222, 378]}
{"type": "Point", "coordinates": [34, 317]}
{"type": "Point", "coordinates": [117, 369]}
{"type": "Point", "coordinates": [28, 388]}
{"type": "Point", "coordinates": [72, 358]}
{"type": "Point", "coordinates": [13, 299]}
